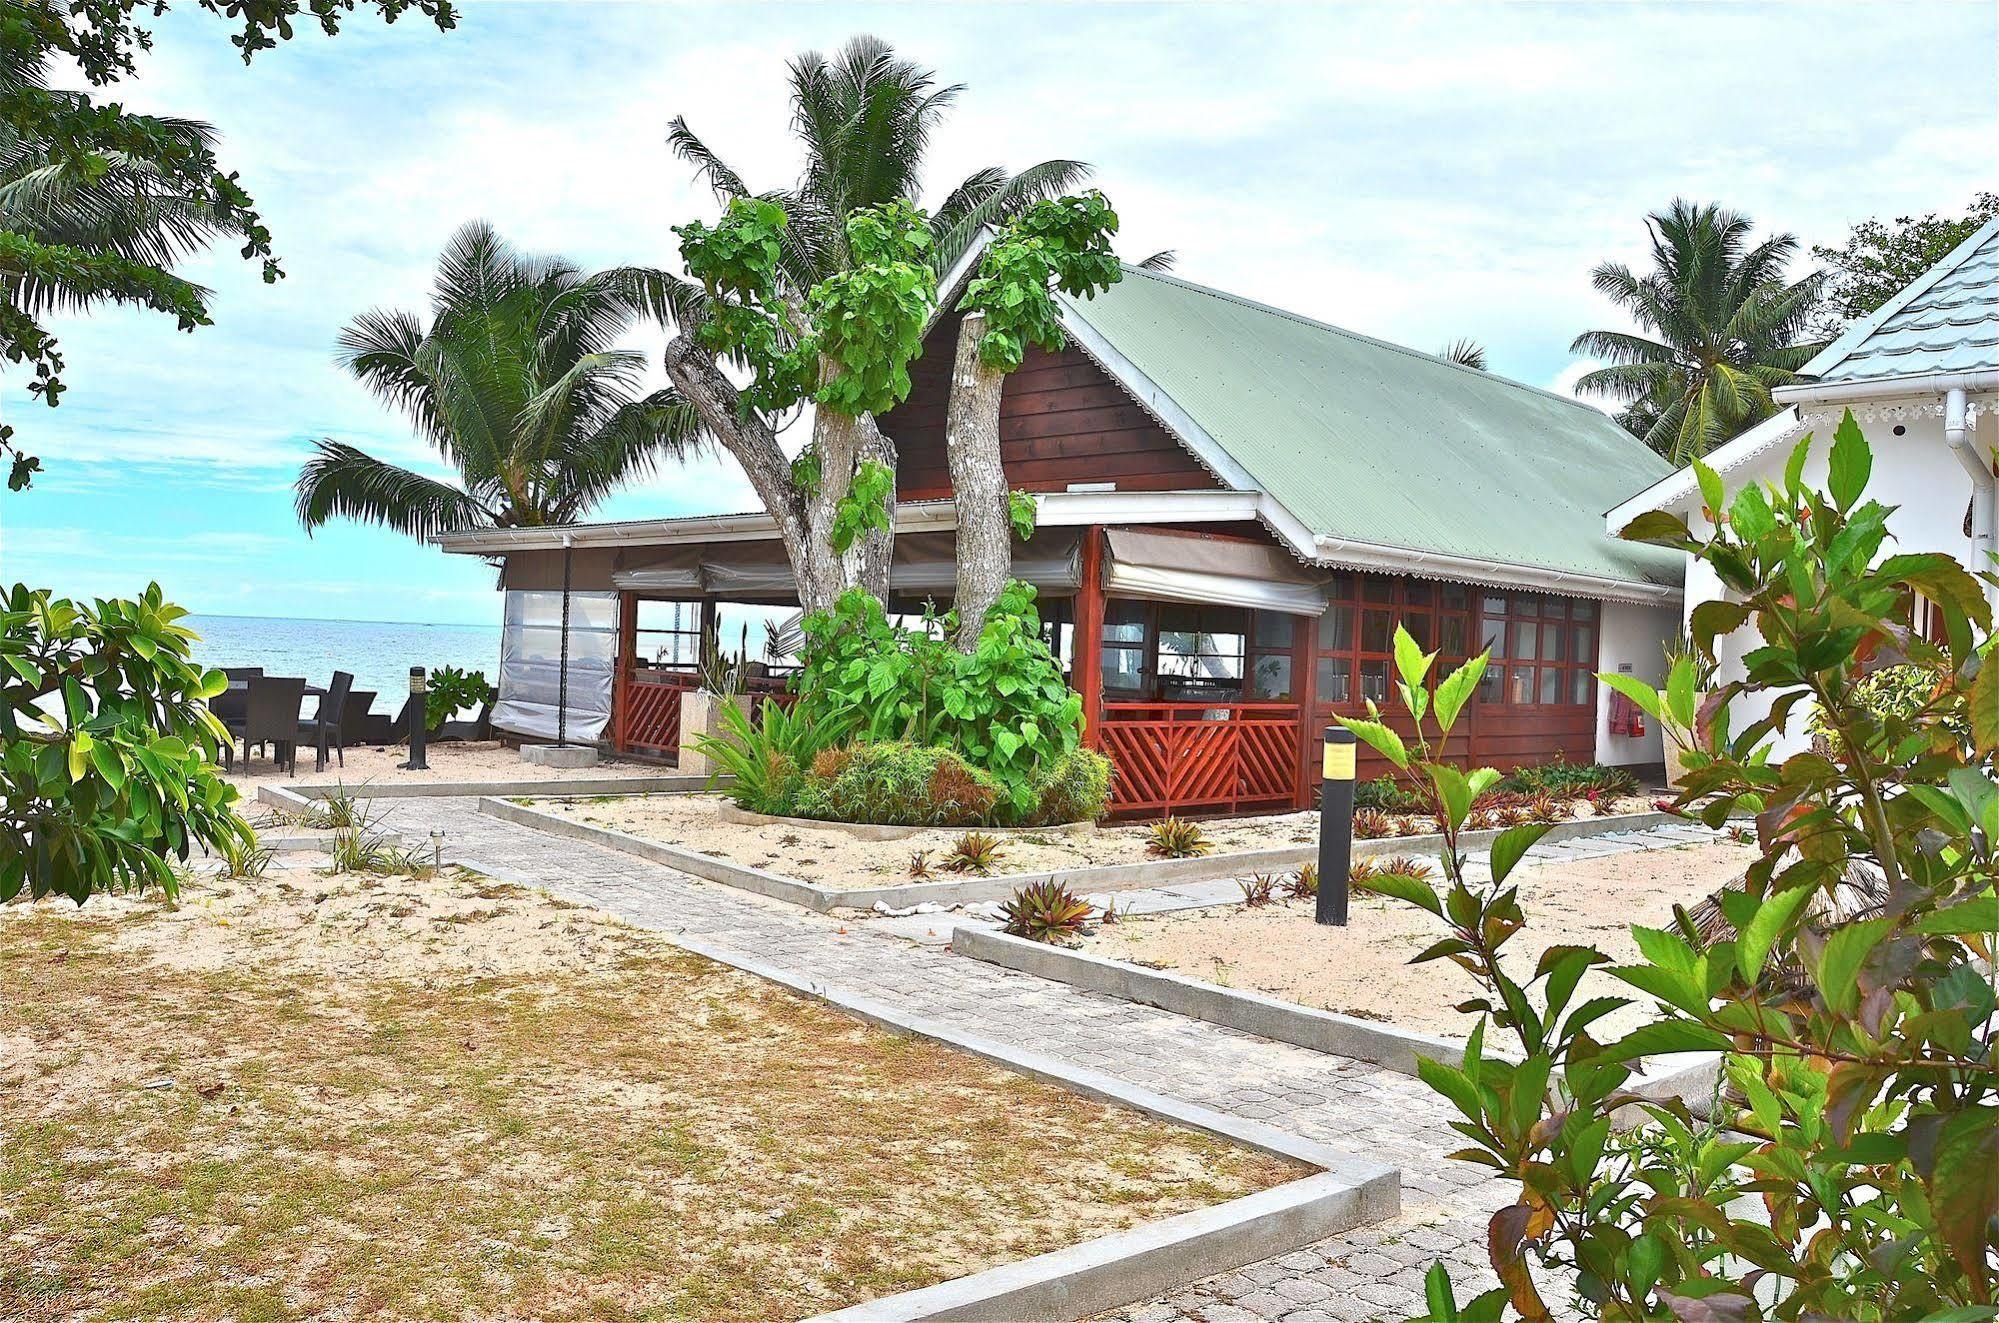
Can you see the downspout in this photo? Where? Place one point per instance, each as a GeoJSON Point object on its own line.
{"type": "Point", "coordinates": [1984, 512]}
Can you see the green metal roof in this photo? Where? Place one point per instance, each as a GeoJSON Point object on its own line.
{"type": "Point", "coordinates": [1371, 442]}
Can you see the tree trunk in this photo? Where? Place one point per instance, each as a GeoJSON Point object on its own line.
{"type": "Point", "coordinates": [978, 483]}
{"type": "Point", "coordinates": [844, 443]}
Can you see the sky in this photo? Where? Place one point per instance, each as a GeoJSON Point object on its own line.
{"type": "Point", "coordinates": [1415, 172]}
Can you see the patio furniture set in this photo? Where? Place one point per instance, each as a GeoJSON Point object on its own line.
{"type": "Point", "coordinates": [262, 711]}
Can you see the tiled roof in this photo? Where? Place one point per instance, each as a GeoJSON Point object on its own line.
{"type": "Point", "coordinates": [1947, 321]}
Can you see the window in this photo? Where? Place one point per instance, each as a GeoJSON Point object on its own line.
{"type": "Point", "coordinates": [667, 633]}
{"type": "Point", "coordinates": [1355, 642]}
{"type": "Point", "coordinates": [1543, 650]}
{"type": "Point", "coordinates": [1271, 634]}
{"type": "Point", "coordinates": [1202, 650]}
{"type": "Point", "coordinates": [1126, 647]}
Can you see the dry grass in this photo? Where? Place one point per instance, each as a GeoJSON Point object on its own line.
{"type": "Point", "coordinates": [455, 1098]}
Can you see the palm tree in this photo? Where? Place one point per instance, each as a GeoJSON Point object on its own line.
{"type": "Point", "coordinates": [518, 384]}
{"type": "Point", "coordinates": [1465, 352]}
{"type": "Point", "coordinates": [864, 117]}
{"type": "Point", "coordinates": [1721, 330]}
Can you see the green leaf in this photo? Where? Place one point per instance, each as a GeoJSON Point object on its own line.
{"type": "Point", "coordinates": [1712, 495]}
{"type": "Point", "coordinates": [1511, 844]}
{"type": "Point", "coordinates": [1660, 529]}
{"type": "Point", "coordinates": [1635, 689]}
{"type": "Point", "coordinates": [1751, 516]}
{"type": "Point", "coordinates": [1411, 662]}
{"type": "Point", "coordinates": [1794, 468]}
{"type": "Point", "coordinates": [1664, 1037]}
{"type": "Point", "coordinates": [1983, 706]}
{"type": "Point", "coordinates": [1455, 690]}
{"type": "Point", "coordinates": [1851, 463]}
{"type": "Point", "coordinates": [1403, 887]}
{"type": "Point", "coordinates": [1380, 738]}
{"type": "Point", "coordinates": [1680, 692]}
{"type": "Point", "coordinates": [1713, 618]}
{"type": "Point", "coordinates": [1752, 947]}
{"type": "Point", "coordinates": [1845, 951]}
{"type": "Point", "coordinates": [1971, 916]}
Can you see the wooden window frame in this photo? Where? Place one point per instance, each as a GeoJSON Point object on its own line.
{"type": "Point", "coordinates": [1573, 672]}
{"type": "Point", "coordinates": [1427, 604]}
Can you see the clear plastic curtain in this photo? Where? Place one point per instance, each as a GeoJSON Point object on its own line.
{"type": "Point", "coordinates": [531, 663]}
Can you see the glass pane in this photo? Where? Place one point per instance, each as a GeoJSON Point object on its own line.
{"type": "Point", "coordinates": [1273, 629]}
{"type": "Point", "coordinates": [1336, 630]}
{"type": "Point", "coordinates": [1494, 640]}
{"type": "Point", "coordinates": [1124, 670]}
{"type": "Point", "coordinates": [1582, 609]}
{"type": "Point", "coordinates": [1377, 631]}
{"type": "Point", "coordinates": [1416, 592]}
{"type": "Point", "coordinates": [1180, 619]}
{"type": "Point", "coordinates": [1579, 683]}
{"type": "Point", "coordinates": [1488, 685]}
{"type": "Point", "coordinates": [1495, 604]}
{"type": "Point", "coordinates": [1270, 678]}
{"type": "Point", "coordinates": [1340, 587]}
{"type": "Point", "coordinates": [1419, 629]}
{"type": "Point", "coordinates": [1585, 648]}
{"type": "Point", "coordinates": [1554, 643]}
{"type": "Point", "coordinates": [1124, 622]}
{"type": "Point", "coordinates": [1335, 680]}
{"type": "Point", "coordinates": [1451, 635]}
{"type": "Point", "coordinates": [1525, 638]}
{"type": "Point", "coordinates": [1454, 595]}
{"type": "Point", "coordinates": [1374, 588]}
{"type": "Point", "coordinates": [1374, 680]}
{"type": "Point", "coordinates": [1520, 685]}
{"type": "Point", "coordinates": [1551, 684]}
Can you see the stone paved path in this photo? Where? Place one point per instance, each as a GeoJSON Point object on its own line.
{"type": "Point", "coordinates": [1375, 1272]}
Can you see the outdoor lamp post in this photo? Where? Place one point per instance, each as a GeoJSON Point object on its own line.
{"type": "Point", "coordinates": [419, 720]}
{"type": "Point", "coordinates": [1335, 826]}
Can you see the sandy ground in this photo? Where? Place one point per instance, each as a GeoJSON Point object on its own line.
{"type": "Point", "coordinates": [1363, 970]}
{"type": "Point", "coordinates": [828, 856]}
{"type": "Point", "coordinates": [339, 1097]}
{"type": "Point", "coordinates": [453, 760]}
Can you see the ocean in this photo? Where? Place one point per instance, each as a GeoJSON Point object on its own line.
{"type": "Point", "coordinates": [378, 652]}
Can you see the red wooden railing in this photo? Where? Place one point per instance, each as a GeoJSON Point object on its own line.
{"type": "Point", "coordinates": [1218, 758]}
{"type": "Point", "coordinates": [648, 710]}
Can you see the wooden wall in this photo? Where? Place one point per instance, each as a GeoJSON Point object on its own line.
{"type": "Point", "coordinates": [1062, 421]}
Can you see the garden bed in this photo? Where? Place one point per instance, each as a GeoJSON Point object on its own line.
{"type": "Point", "coordinates": [325, 1095]}
{"type": "Point", "coordinates": [1363, 971]}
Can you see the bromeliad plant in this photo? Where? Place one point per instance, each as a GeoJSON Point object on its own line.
{"type": "Point", "coordinates": [1853, 1172]}
{"type": "Point", "coordinates": [107, 747]}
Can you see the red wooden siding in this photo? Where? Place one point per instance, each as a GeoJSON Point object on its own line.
{"type": "Point", "coordinates": [1062, 421]}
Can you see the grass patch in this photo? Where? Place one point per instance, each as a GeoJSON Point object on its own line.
{"type": "Point", "coordinates": [599, 1126]}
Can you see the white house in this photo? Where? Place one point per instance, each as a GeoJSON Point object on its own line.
{"type": "Point", "coordinates": [1922, 378]}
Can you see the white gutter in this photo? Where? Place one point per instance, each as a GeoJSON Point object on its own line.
{"type": "Point", "coordinates": [1984, 513]}
{"type": "Point", "coordinates": [1887, 388]}
{"type": "Point", "coordinates": [1501, 574]}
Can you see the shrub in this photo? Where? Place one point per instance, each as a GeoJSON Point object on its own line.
{"type": "Point", "coordinates": [1893, 693]}
{"type": "Point", "coordinates": [765, 755]}
{"type": "Point", "coordinates": [1177, 838]}
{"type": "Point", "coordinates": [975, 852]}
{"type": "Point", "coordinates": [1388, 796]}
{"type": "Point", "coordinates": [1571, 780]}
{"type": "Point", "coordinates": [1004, 707]}
{"type": "Point", "coordinates": [1044, 911]}
{"type": "Point", "coordinates": [1855, 1180]}
{"type": "Point", "coordinates": [1074, 787]}
{"type": "Point", "coordinates": [107, 747]}
{"type": "Point", "coordinates": [898, 784]}
{"type": "Point", "coordinates": [451, 690]}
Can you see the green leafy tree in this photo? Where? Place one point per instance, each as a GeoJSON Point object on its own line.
{"type": "Point", "coordinates": [520, 385]}
{"type": "Point", "coordinates": [107, 747]}
{"type": "Point", "coordinates": [1881, 258]}
{"type": "Point", "coordinates": [1851, 1168]}
{"type": "Point", "coordinates": [1718, 330]}
{"type": "Point", "coordinates": [821, 292]}
{"type": "Point", "coordinates": [97, 203]}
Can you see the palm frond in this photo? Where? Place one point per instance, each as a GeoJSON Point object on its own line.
{"type": "Point", "coordinates": [1163, 260]}
{"type": "Point", "coordinates": [709, 168]}
{"type": "Point", "coordinates": [1465, 352]}
{"type": "Point", "coordinates": [341, 481]}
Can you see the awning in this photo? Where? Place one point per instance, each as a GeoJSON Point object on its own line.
{"type": "Point", "coordinates": [1191, 567]}
{"type": "Point", "coordinates": [659, 570]}
{"type": "Point", "coordinates": [925, 565]}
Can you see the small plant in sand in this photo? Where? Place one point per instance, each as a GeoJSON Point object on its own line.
{"type": "Point", "coordinates": [1258, 889]}
{"type": "Point", "coordinates": [1360, 872]}
{"type": "Point", "coordinates": [1044, 911]}
{"type": "Point", "coordinates": [1403, 865]}
{"type": "Point", "coordinates": [975, 852]}
{"type": "Point", "coordinates": [920, 867]}
{"type": "Point", "coordinates": [244, 860]}
{"type": "Point", "coordinates": [1372, 825]}
{"type": "Point", "coordinates": [1303, 884]}
{"type": "Point", "coordinates": [337, 810]}
{"type": "Point", "coordinates": [1177, 838]}
{"type": "Point", "coordinates": [1545, 808]}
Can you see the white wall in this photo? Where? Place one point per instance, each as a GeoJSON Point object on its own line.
{"type": "Point", "coordinates": [1914, 472]}
{"type": "Point", "coordinates": [1635, 636]}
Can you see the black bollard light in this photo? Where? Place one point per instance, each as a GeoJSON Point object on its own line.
{"type": "Point", "coordinates": [419, 720]}
{"type": "Point", "coordinates": [1335, 826]}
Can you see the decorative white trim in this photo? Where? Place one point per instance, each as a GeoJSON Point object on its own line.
{"type": "Point", "coordinates": [1679, 485]}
